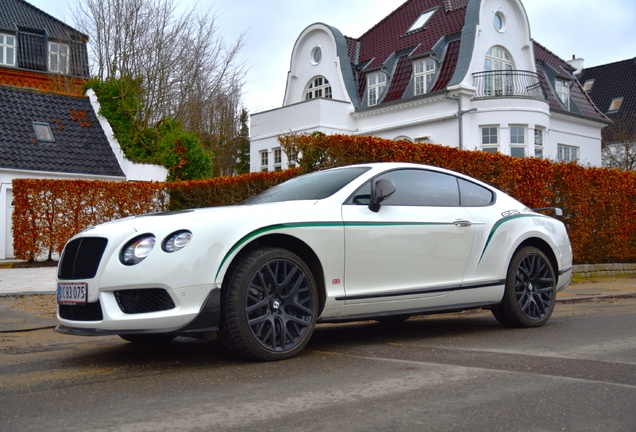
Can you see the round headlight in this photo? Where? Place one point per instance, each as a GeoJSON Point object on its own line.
{"type": "Point", "coordinates": [177, 241]}
{"type": "Point", "coordinates": [137, 249]}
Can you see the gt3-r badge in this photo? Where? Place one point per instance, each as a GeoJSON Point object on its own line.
{"type": "Point", "coordinates": [510, 213]}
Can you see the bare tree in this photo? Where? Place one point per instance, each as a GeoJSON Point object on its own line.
{"type": "Point", "coordinates": [189, 73]}
{"type": "Point", "coordinates": [619, 143]}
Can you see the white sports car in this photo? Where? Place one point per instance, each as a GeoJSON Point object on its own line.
{"type": "Point", "coordinates": [366, 242]}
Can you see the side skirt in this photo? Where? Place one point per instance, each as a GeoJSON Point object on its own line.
{"type": "Point", "coordinates": [412, 312]}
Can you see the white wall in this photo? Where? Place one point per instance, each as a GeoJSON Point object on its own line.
{"type": "Point", "coordinates": [134, 171]}
{"type": "Point", "coordinates": [6, 196]}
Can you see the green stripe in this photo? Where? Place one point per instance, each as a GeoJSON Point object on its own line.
{"type": "Point", "coordinates": [277, 227]}
{"type": "Point", "coordinates": [501, 222]}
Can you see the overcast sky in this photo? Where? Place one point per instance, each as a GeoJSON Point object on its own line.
{"type": "Point", "coordinates": [598, 31]}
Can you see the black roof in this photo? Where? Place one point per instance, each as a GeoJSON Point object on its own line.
{"type": "Point", "coordinates": [611, 81]}
{"type": "Point", "coordinates": [16, 14]}
{"type": "Point", "coordinates": [80, 145]}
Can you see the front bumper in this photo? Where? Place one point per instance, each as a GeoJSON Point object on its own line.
{"type": "Point", "coordinates": [206, 320]}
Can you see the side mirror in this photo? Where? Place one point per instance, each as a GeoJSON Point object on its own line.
{"type": "Point", "coordinates": [380, 191]}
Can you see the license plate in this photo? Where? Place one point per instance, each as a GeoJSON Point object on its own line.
{"type": "Point", "coordinates": [72, 293]}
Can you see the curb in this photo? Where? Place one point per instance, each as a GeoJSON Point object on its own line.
{"type": "Point", "coordinates": [592, 298]}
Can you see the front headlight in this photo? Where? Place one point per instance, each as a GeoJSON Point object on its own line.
{"type": "Point", "coordinates": [137, 249]}
{"type": "Point", "coordinates": [177, 241]}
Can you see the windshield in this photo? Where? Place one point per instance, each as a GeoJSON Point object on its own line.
{"type": "Point", "coordinates": [312, 186]}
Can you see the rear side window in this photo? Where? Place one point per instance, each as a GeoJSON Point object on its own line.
{"type": "Point", "coordinates": [473, 195]}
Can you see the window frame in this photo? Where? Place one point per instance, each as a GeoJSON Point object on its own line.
{"type": "Point", "coordinates": [562, 89]}
{"type": "Point", "coordinates": [421, 20]}
{"type": "Point", "coordinates": [318, 87]}
{"type": "Point", "coordinates": [618, 101]}
{"type": "Point", "coordinates": [278, 158]}
{"type": "Point", "coordinates": [459, 189]}
{"type": "Point", "coordinates": [57, 59]}
{"type": "Point", "coordinates": [562, 149]}
{"type": "Point", "coordinates": [489, 147]}
{"type": "Point", "coordinates": [43, 135]}
{"type": "Point", "coordinates": [264, 160]}
{"type": "Point", "coordinates": [5, 47]}
{"type": "Point", "coordinates": [376, 84]}
{"type": "Point", "coordinates": [538, 143]}
{"type": "Point", "coordinates": [587, 86]}
{"type": "Point", "coordinates": [423, 76]}
{"type": "Point", "coordinates": [517, 132]}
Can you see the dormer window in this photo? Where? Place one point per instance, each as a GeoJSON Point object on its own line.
{"type": "Point", "coordinates": [43, 131]}
{"type": "Point", "coordinates": [376, 82]}
{"type": "Point", "coordinates": [7, 50]}
{"type": "Point", "coordinates": [616, 104]}
{"type": "Point", "coordinates": [421, 21]}
{"type": "Point", "coordinates": [562, 88]}
{"type": "Point", "coordinates": [58, 57]}
{"type": "Point", "coordinates": [424, 73]}
{"type": "Point", "coordinates": [318, 87]}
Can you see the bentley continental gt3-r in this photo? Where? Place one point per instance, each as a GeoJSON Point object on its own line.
{"type": "Point", "coordinates": [367, 242]}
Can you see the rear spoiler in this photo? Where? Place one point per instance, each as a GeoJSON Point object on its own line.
{"type": "Point", "coordinates": [557, 211]}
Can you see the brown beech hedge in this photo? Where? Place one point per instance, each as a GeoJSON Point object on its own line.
{"type": "Point", "coordinates": [599, 204]}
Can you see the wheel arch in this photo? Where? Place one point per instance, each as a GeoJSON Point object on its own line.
{"type": "Point", "coordinates": [544, 247]}
{"type": "Point", "coordinates": [294, 245]}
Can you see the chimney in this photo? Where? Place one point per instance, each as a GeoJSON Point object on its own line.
{"type": "Point", "coordinates": [576, 63]}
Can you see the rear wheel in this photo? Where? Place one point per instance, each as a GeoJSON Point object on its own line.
{"type": "Point", "coordinates": [530, 292]}
{"type": "Point", "coordinates": [269, 306]}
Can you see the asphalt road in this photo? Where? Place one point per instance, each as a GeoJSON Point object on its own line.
{"type": "Point", "coordinates": [460, 372]}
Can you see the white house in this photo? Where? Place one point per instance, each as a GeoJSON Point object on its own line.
{"type": "Point", "coordinates": [48, 128]}
{"type": "Point", "coordinates": [461, 73]}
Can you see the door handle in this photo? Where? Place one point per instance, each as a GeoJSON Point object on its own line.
{"type": "Point", "coordinates": [462, 223]}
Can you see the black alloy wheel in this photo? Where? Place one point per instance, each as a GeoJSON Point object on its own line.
{"type": "Point", "coordinates": [269, 306]}
{"type": "Point", "coordinates": [530, 291]}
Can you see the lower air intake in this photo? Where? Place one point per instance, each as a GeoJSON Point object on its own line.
{"type": "Point", "coordinates": [144, 300]}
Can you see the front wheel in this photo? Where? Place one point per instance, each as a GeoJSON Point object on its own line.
{"type": "Point", "coordinates": [269, 306]}
{"type": "Point", "coordinates": [530, 291]}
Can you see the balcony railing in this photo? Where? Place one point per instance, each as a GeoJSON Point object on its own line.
{"type": "Point", "coordinates": [507, 83]}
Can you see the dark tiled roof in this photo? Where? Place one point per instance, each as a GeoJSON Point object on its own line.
{"type": "Point", "coordinates": [80, 145]}
{"type": "Point", "coordinates": [400, 81]}
{"type": "Point", "coordinates": [33, 28]}
{"type": "Point", "coordinates": [388, 44]}
{"type": "Point", "coordinates": [390, 34]}
{"type": "Point", "coordinates": [544, 57]}
{"type": "Point", "coordinates": [19, 13]}
{"type": "Point", "coordinates": [613, 80]}
{"type": "Point", "coordinates": [448, 66]}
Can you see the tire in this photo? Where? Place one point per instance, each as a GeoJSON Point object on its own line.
{"type": "Point", "coordinates": [148, 339]}
{"type": "Point", "coordinates": [530, 292]}
{"type": "Point", "coordinates": [269, 306]}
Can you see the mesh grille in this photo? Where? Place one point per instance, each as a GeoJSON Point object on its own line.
{"type": "Point", "coordinates": [81, 257]}
{"type": "Point", "coordinates": [144, 300]}
{"type": "Point", "coordinates": [88, 312]}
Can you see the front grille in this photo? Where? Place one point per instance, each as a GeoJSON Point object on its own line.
{"type": "Point", "coordinates": [87, 312]}
{"type": "Point", "coordinates": [144, 300]}
{"type": "Point", "coordinates": [81, 257]}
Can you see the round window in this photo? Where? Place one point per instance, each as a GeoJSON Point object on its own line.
{"type": "Point", "coordinates": [316, 55]}
{"type": "Point", "coordinates": [500, 22]}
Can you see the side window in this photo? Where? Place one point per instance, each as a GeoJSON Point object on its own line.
{"type": "Point", "coordinates": [473, 195]}
{"type": "Point", "coordinates": [416, 188]}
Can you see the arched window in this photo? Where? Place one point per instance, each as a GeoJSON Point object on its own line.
{"type": "Point", "coordinates": [318, 87]}
{"type": "Point", "coordinates": [500, 81]}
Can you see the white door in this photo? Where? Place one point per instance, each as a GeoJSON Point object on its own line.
{"type": "Point", "coordinates": [407, 249]}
